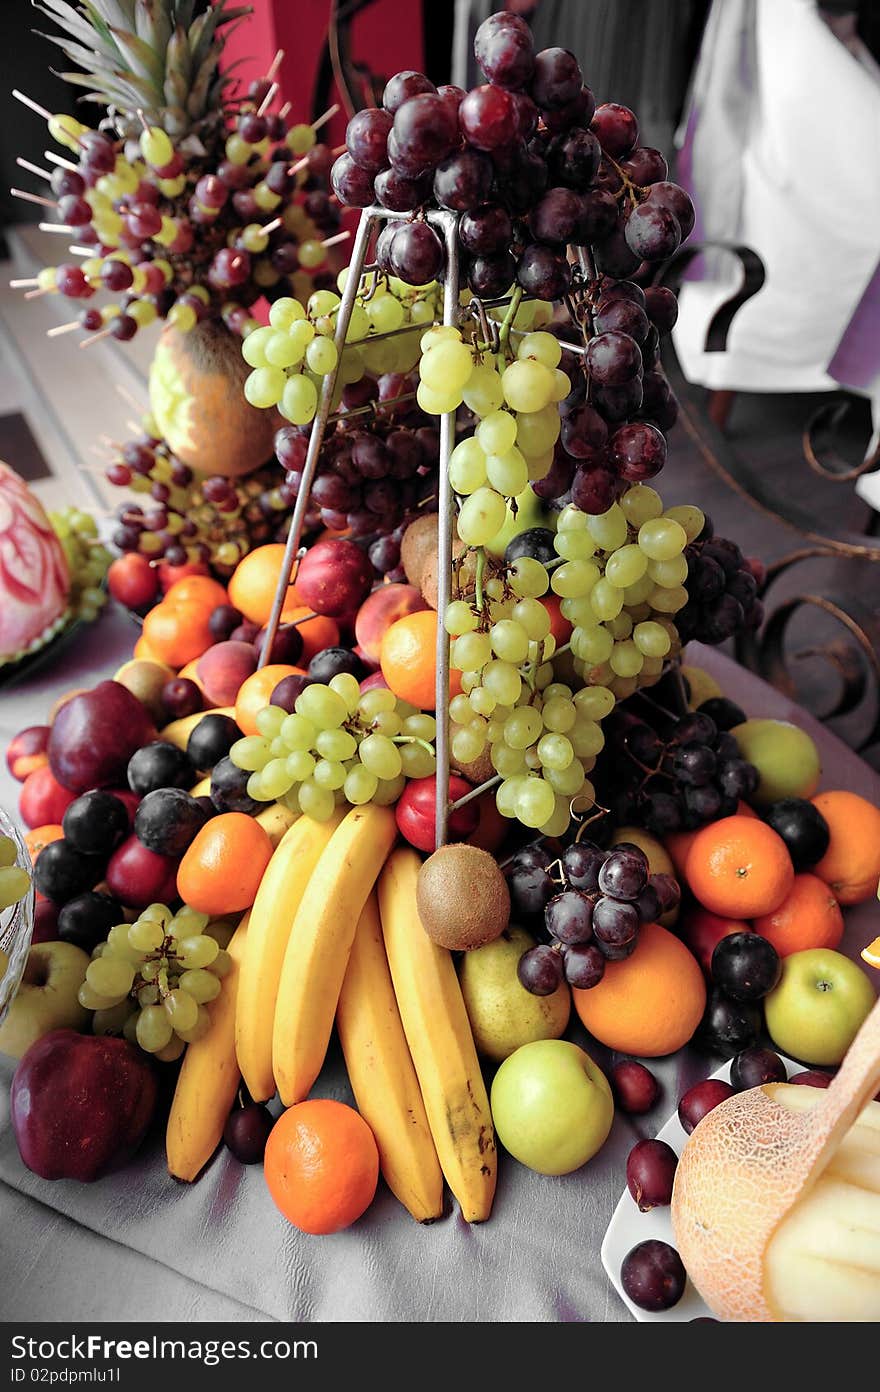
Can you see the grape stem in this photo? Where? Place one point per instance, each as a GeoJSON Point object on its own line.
{"type": "Point", "coordinates": [478, 577]}
{"type": "Point", "coordinates": [628, 188]}
{"type": "Point", "coordinates": [507, 322]}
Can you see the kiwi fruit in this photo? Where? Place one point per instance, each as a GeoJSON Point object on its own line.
{"type": "Point", "coordinates": [418, 543]}
{"type": "Point", "coordinates": [462, 897]}
{"type": "Point", "coordinates": [463, 576]}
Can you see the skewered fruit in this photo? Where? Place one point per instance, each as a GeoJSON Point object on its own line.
{"type": "Point", "coordinates": [462, 897]}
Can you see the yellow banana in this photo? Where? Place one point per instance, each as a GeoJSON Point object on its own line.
{"type": "Point", "coordinates": [208, 1078]}
{"type": "Point", "coordinates": [440, 1041]}
{"type": "Point", "coordinates": [382, 1075]}
{"type": "Point", "coordinates": [202, 788]}
{"type": "Point", "coordinates": [275, 819]}
{"type": "Point", "coordinates": [179, 731]}
{"type": "Point", "coordinates": [274, 909]}
{"type": "Point", "coordinates": [317, 950]}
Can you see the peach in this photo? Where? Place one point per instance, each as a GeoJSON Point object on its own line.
{"type": "Point", "coordinates": [379, 611]}
{"type": "Point", "coordinates": [222, 669]}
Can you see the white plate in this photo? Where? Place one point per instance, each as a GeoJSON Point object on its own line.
{"type": "Point", "coordinates": [629, 1226]}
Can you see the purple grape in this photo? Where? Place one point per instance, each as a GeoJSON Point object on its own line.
{"type": "Point", "coordinates": [585, 434]}
{"type": "Point", "coordinates": [556, 217]}
{"type": "Point", "coordinates": [638, 450]}
{"type": "Point", "coordinates": [404, 85]}
{"type": "Point", "coordinates": [663, 813]}
{"type": "Point", "coordinates": [557, 78]}
{"type": "Point", "coordinates": [578, 112]}
{"type": "Point", "coordinates": [612, 253]}
{"type": "Point", "coordinates": [616, 128]}
{"type": "Point", "coordinates": [582, 862]}
{"type": "Point", "coordinates": [613, 359]}
{"type": "Point", "coordinates": [568, 917]}
{"type": "Point", "coordinates": [701, 804]}
{"type": "Point", "coordinates": [416, 253]}
{"type": "Point", "coordinates": [504, 50]}
{"type": "Point", "coordinates": [621, 316]}
{"type": "Point", "coordinates": [598, 216]}
{"type": "Point", "coordinates": [648, 904]}
{"type": "Point", "coordinates": [526, 115]}
{"type": "Point", "coordinates": [351, 184]}
{"type": "Point", "coordinates": [463, 181]}
{"type": "Point", "coordinates": [558, 480]}
{"type": "Point", "coordinates": [668, 891]}
{"type": "Point", "coordinates": [366, 137]}
{"type": "Point", "coordinates": [593, 490]}
{"type": "Point", "coordinates": [694, 764]}
{"type": "Point", "coordinates": [425, 129]}
{"type": "Point", "coordinates": [584, 966]}
{"type": "Point", "coordinates": [490, 276]}
{"type": "Point", "coordinates": [652, 232]}
{"type": "Point", "coordinates": [653, 1276]}
{"type": "Point", "coordinates": [624, 873]}
{"type": "Point", "coordinates": [662, 307]}
{"type": "Point", "coordinates": [645, 165]}
{"type": "Point", "coordinates": [540, 970]}
{"type": "Point", "coordinates": [675, 200]}
{"type": "Point", "coordinates": [543, 273]}
{"type": "Point", "coordinates": [650, 1171]}
{"type": "Point", "coordinates": [247, 1131]}
{"type": "Point", "coordinates": [614, 924]}
{"type": "Point", "coordinates": [529, 881]}
{"type": "Point", "coordinates": [738, 779]}
{"type": "Point", "coordinates": [485, 230]}
{"type": "Point", "coordinates": [574, 158]}
{"type": "Point", "coordinates": [756, 1066]}
{"type": "Point", "coordinates": [398, 193]}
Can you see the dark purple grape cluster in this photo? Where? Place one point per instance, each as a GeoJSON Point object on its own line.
{"type": "Point", "coordinates": [591, 903]}
{"type": "Point", "coordinates": [529, 162]}
{"type": "Point", "coordinates": [376, 469]}
{"type": "Point", "coordinates": [723, 588]}
{"type": "Point", "coordinates": [672, 774]}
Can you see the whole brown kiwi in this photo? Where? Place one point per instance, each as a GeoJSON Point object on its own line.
{"type": "Point", "coordinates": [462, 897]}
{"type": "Point", "coordinates": [462, 576]}
{"type": "Point", "coordinates": [418, 543]}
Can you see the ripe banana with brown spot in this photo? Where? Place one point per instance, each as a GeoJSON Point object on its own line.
{"type": "Point", "coordinates": [381, 1073]}
{"type": "Point", "coordinates": [320, 941]}
{"type": "Point", "coordinates": [440, 1041]}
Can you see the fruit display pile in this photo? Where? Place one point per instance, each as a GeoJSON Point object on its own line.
{"type": "Point", "coordinates": [237, 850]}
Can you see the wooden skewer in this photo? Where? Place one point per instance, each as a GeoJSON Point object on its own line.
{"type": "Point", "coordinates": [33, 168]}
{"type": "Point", "coordinates": [273, 225]}
{"type": "Point", "coordinates": [275, 65]}
{"type": "Point", "coordinates": [33, 198]}
{"type": "Point", "coordinates": [34, 106]}
{"type": "Point", "coordinates": [335, 240]}
{"type": "Point", "coordinates": [133, 427]}
{"type": "Point", "coordinates": [35, 294]}
{"type": "Point", "coordinates": [59, 159]}
{"type": "Point", "coordinates": [268, 99]}
{"type": "Point", "coordinates": [57, 227]}
{"type": "Point", "coordinates": [340, 149]}
{"type": "Point", "coordinates": [328, 116]}
{"type": "Point", "coordinates": [127, 396]}
{"type": "Point", "coordinates": [143, 120]}
{"type": "Point", "coordinates": [24, 284]}
{"type": "Point", "coordinates": [300, 164]}
{"type": "Point", "coordinates": [82, 251]}
{"type": "Point", "coordinates": [285, 110]}
{"type": "Point", "coordinates": [62, 329]}
{"type": "Point", "coordinates": [95, 337]}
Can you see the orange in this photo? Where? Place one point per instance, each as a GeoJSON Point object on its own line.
{"type": "Point", "coordinates": [41, 836]}
{"type": "Point", "coordinates": [650, 1003]}
{"type": "Point", "coordinates": [678, 843]}
{"type": "Point", "coordinates": [408, 658]}
{"type": "Point", "coordinates": [318, 632]}
{"type": "Point", "coordinates": [143, 650]}
{"type": "Point", "coordinates": [201, 588]}
{"type": "Point", "coordinates": [321, 1165]}
{"type": "Point", "coordinates": [221, 869]}
{"type": "Point", "coordinates": [255, 691]}
{"type": "Point", "coordinates": [808, 917]}
{"type": "Point", "coordinates": [254, 581]}
{"type": "Point", "coordinates": [739, 867]}
{"type": "Point", "coordinates": [177, 631]}
{"type": "Point", "coordinates": [851, 865]}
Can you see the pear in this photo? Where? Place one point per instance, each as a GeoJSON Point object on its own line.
{"type": "Point", "coordinates": [503, 1014]}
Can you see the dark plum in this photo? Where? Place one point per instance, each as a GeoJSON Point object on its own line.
{"type": "Point", "coordinates": [247, 1131]}
{"type": "Point", "coordinates": [745, 966]}
{"type": "Point", "coordinates": [159, 764]}
{"type": "Point", "coordinates": [168, 820]}
{"type": "Point", "coordinates": [635, 1088]}
{"type": "Point", "coordinates": [653, 1276]}
{"type": "Point", "coordinates": [95, 823]}
{"type": "Point", "coordinates": [650, 1171]}
{"type": "Point", "coordinates": [756, 1066]}
{"type": "Point", "coordinates": [803, 829]}
{"type": "Point", "coordinates": [211, 740]}
{"type": "Point", "coordinates": [700, 1100]}
{"type": "Point", "coordinates": [87, 919]}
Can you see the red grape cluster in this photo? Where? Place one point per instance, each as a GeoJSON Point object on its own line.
{"type": "Point", "coordinates": [592, 918]}
{"type": "Point", "coordinates": [723, 587]}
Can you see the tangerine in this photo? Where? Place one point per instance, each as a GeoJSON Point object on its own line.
{"type": "Point", "coordinates": [41, 836]}
{"type": "Point", "coordinates": [739, 867]}
{"type": "Point", "coordinates": [808, 917]}
{"type": "Point", "coordinates": [649, 1004]}
{"type": "Point", "coordinates": [256, 690]}
{"type": "Point", "coordinates": [317, 633]}
{"type": "Point", "coordinates": [408, 658]}
{"type": "Point", "coordinates": [201, 588]}
{"type": "Point", "coordinates": [177, 632]}
{"type": "Point", "coordinates": [851, 865]}
{"type": "Point", "coordinates": [222, 867]}
{"type": "Point", "coordinates": [321, 1165]}
{"type": "Point", "coordinates": [678, 843]}
{"type": "Point", "coordinates": [254, 581]}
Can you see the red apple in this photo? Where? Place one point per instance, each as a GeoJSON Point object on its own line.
{"type": "Point", "coordinates": [80, 1104]}
{"type": "Point", "coordinates": [42, 799]}
{"type": "Point", "coordinates": [137, 876]}
{"type": "Point", "coordinates": [379, 611]}
{"type": "Point", "coordinates": [45, 921]}
{"type": "Point", "coordinates": [169, 574]}
{"type": "Point", "coordinates": [374, 679]}
{"type": "Point", "coordinates": [130, 799]}
{"type": "Point", "coordinates": [334, 577]}
{"type": "Point", "coordinates": [26, 751]}
{"type": "Point", "coordinates": [132, 581]}
{"type": "Point", "coordinates": [415, 812]}
{"type": "Point", "coordinates": [95, 734]}
{"type": "Point", "coordinates": [701, 930]}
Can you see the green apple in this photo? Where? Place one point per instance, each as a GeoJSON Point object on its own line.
{"type": "Point", "coordinates": [817, 1007]}
{"type": "Point", "coordinates": [47, 997]}
{"type": "Point", "coordinates": [503, 1014]}
{"type": "Point", "coordinates": [784, 755]}
{"type": "Point", "coordinates": [552, 1106]}
{"type": "Point", "coordinates": [530, 512]}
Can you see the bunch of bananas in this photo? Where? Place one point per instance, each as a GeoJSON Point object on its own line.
{"type": "Point", "coordinates": [334, 935]}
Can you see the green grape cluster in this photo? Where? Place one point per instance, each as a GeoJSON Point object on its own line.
{"type": "Point", "coordinates": [517, 405]}
{"type": "Point", "coordinates": [339, 744]}
{"type": "Point", "coordinates": [292, 355]}
{"type": "Point", "coordinates": [152, 980]}
{"type": "Point", "coordinates": [87, 560]}
{"type": "Point", "coordinates": [14, 880]}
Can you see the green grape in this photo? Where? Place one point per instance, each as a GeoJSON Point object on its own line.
{"type": "Point", "coordinates": [388, 790]}
{"type": "Point", "coordinates": [315, 801]}
{"type": "Point", "coordinates": [539, 465]}
{"type": "Point", "coordinates": [147, 995]}
{"type": "Point", "coordinates": [593, 644]}
{"type": "Point", "coordinates": [538, 431]}
{"type": "Point", "coordinates": [336, 745]}
{"type": "Point", "coordinates": [640, 504]}
{"type": "Point", "coordinates": [651, 640]}
{"type": "Point", "coordinates": [506, 795]}
{"type": "Point", "coordinates": [467, 467]}
{"type": "Point", "coordinates": [417, 761]}
{"type": "Point", "coordinates": [385, 313]}
{"type": "Point", "coordinates": [626, 659]}
{"type": "Point", "coordinates": [283, 314]}
{"type": "Point", "coordinates": [360, 785]}
{"type": "Point", "coordinates": [281, 350]}
{"type": "Point", "coordinates": [254, 788]}
{"type": "Point", "coordinates": [528, 578]}
{"type": "Point", "coordinates": [555, 751]}
{"type": "Point", "coordinates": [558, 689]}
{"type": "Point", "coordinates": [199, 1029]}
{"type": "Point", "coordinates": [321, 356]}
{"type": "Point", "coordinates": [221, 964]}
{"type": "Point", "coordinates": [146, 936]}
{"type": "Point", "coordinates": [503, 681]}
{"type": "Point", "coordinates": [387, 723]}
{"type": "Point", "coordinates": [14, 885]}
{"type": "Point", "coordinates": [508, 472]}
{"type": "Point", "coordinates": [275, 778]}
{"type": "Point", "coordinates": [111, 1020]}
{"type": "Point", "coordinates": [471, 652]}
{"type": "Point", "coordinates": [571, 519]}
{"type": "Point", "coordinates": [90, 999]}
{"type": "Point", "coordinates": [153, 1029]}
{"type": "Point", "coordinates": [322, 705]}
{"type": "Point", "coordinates": [606, 599]}
{"type": "Point", "coordinates": [376, 700]}
{"type": "Point", "coordinates": [460, 709]}
{"type": "Point", "coordinates": [264, 386]}
{"type": "Point", "coordinates": [496, 433]}
{"type": "Point", "coordinates": [689, 517]}
{"type": "Point", "coordinates": [203, 986]}
{"type": "Point", "coordinates": [459, 618]}
{"type": "Point", "coordinates": [468, 744]}
{"type": "Point", "coordinates": [329, 774]}
{"type": "Point", "coordinates": [668, 574]}
{"type": "Point", "coordinates": [626, 566]}
{"type": "Point", "coordinates": [528, 386]}
{"type": "Point", "coordinates": [574, 578]}
{"type": "Point", "coordinates": [621, 627]}
{"type": "Point", "coordinates": [181, 1009]}
{"type": "Point", "coordinates": [346, 685]}
{"type": "Point", "coordinates": [662, 539]}
{"type": "Point", "coordinates": [574, 546]}
{"type": "Point", "coordinates": [559, 714]}
{"type": "Point", "coordinates": [669, 601]}
{"type": "Point", "coordinates": [110, 977]}
{"type": "Point", "coordinates": [150, 970]}
{"type": "Point", "coordinates": [253, 348]}
{"type": "Point", "coordinates": [568, 781]}
{"type": "Point", "coordinates": [587, 738]}
{"type": "Point", "coordinates": [198, 951]}
{"type": "Point", "coordinates": [637, 594]}
{"type": "Point", "coordinates": [494, 588]}
{"type": "Point", "coordinates": [298, 400]}
{"type": "Point", "coordinates": [578, 611]}
{"type": "Point", "coordinates": [506, 761]}
{"type": "Point", "coordinates": [300, 765]}
{"type": "Point", "coordinates": [421, 725]}
{"type": "Point", "coordinates": [557, 824]}
{"type": "Point", "coordinates": [535, 802]}
{"type": "Point", "coordinates": [380, 756]}
{"type": "Point", "coordinates": [483, 392]}
{"type": "Point", "coordinates": [447, 366]}
{"type": "Point", "coordinates": [523, 727]}
{"type": "Point", "coordinates": [608, 528]}
{"type": "Point", "coordinates": [542, 346]}
{"type": "Point", "coordinates": [482, 701]}
{"type": "Point", "coordinates": [510, 641]}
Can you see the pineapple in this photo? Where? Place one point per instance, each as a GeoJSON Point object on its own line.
{"type": "Point", "coordinates": [148, 55]}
